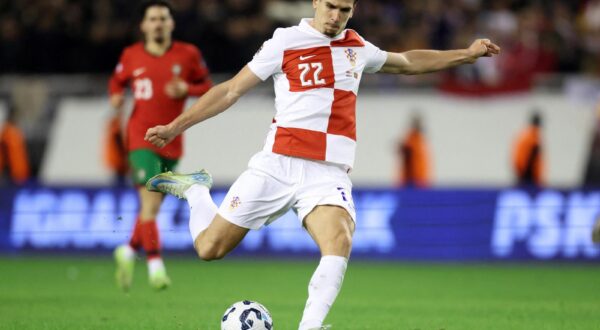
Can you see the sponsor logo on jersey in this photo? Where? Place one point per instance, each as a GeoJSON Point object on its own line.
{"type": "Point", "coordinates": [138, 71]}
{"type": "Point", "coordinates": [304, 58]}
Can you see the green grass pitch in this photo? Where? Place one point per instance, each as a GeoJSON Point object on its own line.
{"type": "Point", "coordinates": [79, 293]}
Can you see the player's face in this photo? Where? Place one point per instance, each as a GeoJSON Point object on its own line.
{"type": "Point", "coordinates": [157, 24]}
{"type": "Point", "coordinates": [331, 16]}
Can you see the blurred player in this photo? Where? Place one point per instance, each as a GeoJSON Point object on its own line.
{"type": "Point", "coordinates": [161, 73]}
{"type": "Point", "coordinates": [316, 68]}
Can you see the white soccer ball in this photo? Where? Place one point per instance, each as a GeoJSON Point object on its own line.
{"type": "Point", "coordinates": [247, 315]}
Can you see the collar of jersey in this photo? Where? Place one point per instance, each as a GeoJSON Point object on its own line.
{"type": "Point", "coordinates": [305, 26]}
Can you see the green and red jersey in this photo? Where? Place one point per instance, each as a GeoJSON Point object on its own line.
{"type": "Point", "coordinates": [147, 75]}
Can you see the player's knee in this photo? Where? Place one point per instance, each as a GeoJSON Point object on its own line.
{"type": "Point", "coordinates": [343, 241]}
{"type": "Point", "coordinates": [209, 251]}
{"type": "Point", "coordinates": [339, 244]}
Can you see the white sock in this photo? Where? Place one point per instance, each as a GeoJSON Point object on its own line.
{"type": "Point", "coordinates": [323, 288]}
{"type": "Point", "coordinates": [155, 265]}
{"type": "Point", "coordinates": [202, 209]}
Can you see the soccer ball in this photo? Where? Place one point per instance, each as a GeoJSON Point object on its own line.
{"type": "Point", "coordinates": [246, 315]}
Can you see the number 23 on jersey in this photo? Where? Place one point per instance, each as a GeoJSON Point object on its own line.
{"type": "Point", "coordinates": [142, 89]}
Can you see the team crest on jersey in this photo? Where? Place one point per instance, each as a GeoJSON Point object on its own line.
{"type": "Point", "coordinates": [235, 202]}
{"type": "Point", "coordinates": [176, 69]}
{"type": "Point", "coordinates": [351, 55]}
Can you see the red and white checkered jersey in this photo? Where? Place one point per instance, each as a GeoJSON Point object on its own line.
{"type": "Point", "coordinates": [316, 81]}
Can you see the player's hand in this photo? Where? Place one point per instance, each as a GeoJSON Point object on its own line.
{"type": "Point", "coordinates": [176, 88]}
{"type": "Point", "coordinates": [117, 101]}
{"type": "Point", "coordinates": [483, 47]}
{"type": "Point", "coordinates": [160, 135]}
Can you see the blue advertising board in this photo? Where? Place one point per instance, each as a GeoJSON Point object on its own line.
{"type": "Point", "coordinates": [437, 225]}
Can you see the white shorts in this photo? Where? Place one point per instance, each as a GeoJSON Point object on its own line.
{"type": "Point", "coordinates": [274, 183]}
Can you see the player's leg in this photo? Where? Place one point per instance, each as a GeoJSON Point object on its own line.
{"type": "Point", "coordinates": [213, 235]}
{"type": "Point", "coordinates": [219, 238]}
{"type": "Point", "coordinates": [144, 164]}
{"type": "Point", "coordinates": [255, 198]}
{"type": "Point", "coordinates": [150, 203]}
{"type": "Point", "coordinates": [326, 208]}
{"type": "Point", "coordinates": [331, 227]}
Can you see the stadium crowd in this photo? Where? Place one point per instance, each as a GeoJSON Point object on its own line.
{"type": "Point", "coordinates": [78, 36]}
{"type": "Point", "coordinates": [67, 36]}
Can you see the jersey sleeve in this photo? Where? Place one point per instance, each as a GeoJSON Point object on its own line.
{"type": "Point", "coordinates": [375, 58]}
{"type": "Point", "coordinates": [118, 80]}
{"type": "Point", "coordinates": [268, 59]}
{"type": "Point", "coordinates": [199, 82]}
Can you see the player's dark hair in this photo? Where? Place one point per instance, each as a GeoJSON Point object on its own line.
{"type": "Point", "coordinates": [151, 3]}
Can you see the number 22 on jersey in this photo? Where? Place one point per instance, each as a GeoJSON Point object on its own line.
{"type": "Point", "coordinates": [305, 67]}
{"type": "Point", "coordinates": [308, 68]}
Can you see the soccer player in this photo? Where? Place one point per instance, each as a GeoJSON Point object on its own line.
{"type": "Point", "coordinates": [161, 73]}
{"type": "Point", "coordinates": [309, 150]}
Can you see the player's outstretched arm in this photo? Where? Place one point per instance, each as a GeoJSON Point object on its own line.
{"type": "Point", "coordinates": [423, 61]}
{"type": "Point", "coordinates": [215, 101]}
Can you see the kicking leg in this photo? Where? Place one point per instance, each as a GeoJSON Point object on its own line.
{"type": "Point", "coordinates": [331, 227]}
{"type": "Point", "coordinates": [213, 236]}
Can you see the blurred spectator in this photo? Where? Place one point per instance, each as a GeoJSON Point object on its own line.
{"type": "Point", "coordinates": [592, 170]}
{"type": "Point", "coordinates": [529, 46]}
{"type": "Point", "coordinates": [115, 153]}
{"type": "Point", "coordinates": [86, 36]}
{"type": "Point", "coordinates": [590, 35]}
{"type": "Point", "coordinates": [528, 154]}
{"type": "Point", "coordinates": [14, 162]}
{"type": "Point", "coordinates": [413, 155]}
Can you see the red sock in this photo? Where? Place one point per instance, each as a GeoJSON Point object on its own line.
{"type": "Point", "coordinates": [136, 238]}
{"type": "Point", "coordinates": [150, 239]}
